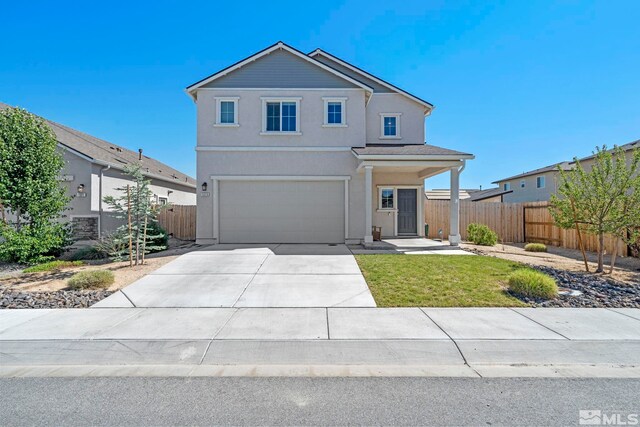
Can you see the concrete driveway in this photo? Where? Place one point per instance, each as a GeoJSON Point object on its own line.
{"type": "Point", "coordinates": [252, 276]}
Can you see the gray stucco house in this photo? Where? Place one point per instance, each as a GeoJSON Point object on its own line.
{"type": "Point", "coordinates": [93, 170]}
{"type": "Point", "coordinates": [307, 148]}
{"type": "Point", "coordinates": [539, 184]}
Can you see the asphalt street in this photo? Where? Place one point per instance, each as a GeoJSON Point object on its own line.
{"type": "Point", "coordinates": [310, 401]}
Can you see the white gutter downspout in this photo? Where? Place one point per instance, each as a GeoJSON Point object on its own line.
{"type": "Point", "coordinates": [102, 170]}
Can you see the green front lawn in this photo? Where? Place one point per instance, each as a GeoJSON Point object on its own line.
{"type": "Point", "coordinates": [438, 280]}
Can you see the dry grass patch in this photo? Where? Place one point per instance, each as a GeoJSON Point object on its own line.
{"type": "Point", "coordinates": [93, 279]}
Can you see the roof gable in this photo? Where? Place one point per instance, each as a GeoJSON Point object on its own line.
{"type": "Point", "coordinates": [377, 83]}
{"type": "Point", "coordinates": [278, 66]}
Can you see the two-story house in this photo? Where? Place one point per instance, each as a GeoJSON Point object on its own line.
{"type": "Point", "coordinates": [297, 148]}
{"type": "Point", "coordinates": [540, 184]}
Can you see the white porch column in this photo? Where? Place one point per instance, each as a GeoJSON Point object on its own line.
{"type": "Point", "coordinates": [368, 202]}
{"type": "Point", "coordinates": [454, 206]}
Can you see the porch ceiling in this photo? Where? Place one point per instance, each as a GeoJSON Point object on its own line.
{"type": "Point", "coordinates": [420, 172]}
{"type": "Point", "coordinates": [422, 169]}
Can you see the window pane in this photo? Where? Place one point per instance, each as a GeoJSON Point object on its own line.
{"type": "Point", "coordinates": [227, 112]}
{"type": "Point", "coordinates": [288, 116]}
{"type": "Point", "coordinates": [273, 116]}
{"type": "Point", "coordinates": [387, 199]}
{"type": "Point", "coordinates": [390, 126]}
{"type": "Point", "coordinates": [334, 113]}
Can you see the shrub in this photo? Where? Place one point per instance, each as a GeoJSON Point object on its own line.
{"type": "Point", "coordinates": [91, 279]}
{"type": "Point", "coordinates": [480, 234]}
{"type": "Point", "coordinates": [53, 265]}
{"type": "Point", "coordinates": [535, 247]}
{"type": "Point", "coordinates": [158, 237]}
{"type": "Point", "coordinates": [533, 284]}
{"type": "Point", "coordinates": [88, 252]}
{"type": "Point", "coordinates": [32, 245]}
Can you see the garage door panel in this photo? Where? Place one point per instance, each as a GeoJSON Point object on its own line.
{"type": "Point", "coordinates": [281, 212]}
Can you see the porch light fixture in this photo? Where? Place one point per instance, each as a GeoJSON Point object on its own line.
{"type": "Point", "coordinates": [204, 186]}
{"type": "Point", "coordinates": [80, 191]}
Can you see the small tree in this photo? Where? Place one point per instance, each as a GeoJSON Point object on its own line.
{"type": "Point", "coordinates": [31, 198]}
{"type": "Point", "coordinates": [135, 206]}
{"type": "Point", "coordinates": [602, 200]}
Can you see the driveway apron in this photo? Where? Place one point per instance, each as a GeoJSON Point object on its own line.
{"type": "Point", "coordinates": [252, 276]}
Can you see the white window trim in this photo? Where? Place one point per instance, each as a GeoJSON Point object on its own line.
{"type": "Point", "coordinates": [544, 181]}
{"type": "Point", "coordinates": [397, 116]}
{"type": "Point", "coordinates": [343, 102]}
{"type": "Point", "coordinates": [265, 99]}
{"type": "Point", "coordinates": [395, 198]}
{"type": "Point", "coordinates": [220, 99]}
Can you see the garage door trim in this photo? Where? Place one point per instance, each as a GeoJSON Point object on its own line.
{"type": "Point", "coordinates": [216, 192]}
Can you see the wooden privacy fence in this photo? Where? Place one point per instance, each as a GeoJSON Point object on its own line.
{"type": "Point", "coordinates": [503, 218]}
{"type": "Point", "coordinates": [540, 228]}
{"type": "Point", "coordinates": [514, 223]}
{"type": "Point", "coordinates": [179, 221]}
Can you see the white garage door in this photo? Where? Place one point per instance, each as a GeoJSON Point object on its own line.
{"type": "Point", "coordinates": [281, 211]}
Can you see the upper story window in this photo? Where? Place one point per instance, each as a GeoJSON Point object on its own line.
{"type": "Point", "coordinates": [281, 116]}
{"type": "Point", "coordinates": [506, 186]}
{"type": "Point", "coordinates": [540, 182]}
{"type": "Point", "coordinates": [390, 126]}
{"type": "Point", "coordinates": [334, 112]}
{"type": "Point", "coordinates": [522, 183]}
{"type": "Point", "coordinates": [227, 111]}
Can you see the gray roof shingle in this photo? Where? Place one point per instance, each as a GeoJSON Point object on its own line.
{"type": "Point", "coordinates": [488, 193]}
{"type": "Point", "coordinates": [104, 151]}
{"type": "Point", "coordinates": [406, 150]}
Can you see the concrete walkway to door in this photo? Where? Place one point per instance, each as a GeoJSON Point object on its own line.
{"type": "Point", "coordinates": [252, 276]}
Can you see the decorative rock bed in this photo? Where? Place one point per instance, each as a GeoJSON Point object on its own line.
{"type": "Point", "coordinates": [16, 298]}
{"type": "Point", "coordinates": [596, 291]}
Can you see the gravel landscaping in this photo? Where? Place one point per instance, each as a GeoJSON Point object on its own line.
{"type": "Point", "coordinates": [15, 298]}
{"type": "Point", "coordinates": [597, 291]}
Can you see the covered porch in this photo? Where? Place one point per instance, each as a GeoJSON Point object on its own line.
{"type": "Point", "coordinates": [394, 177]}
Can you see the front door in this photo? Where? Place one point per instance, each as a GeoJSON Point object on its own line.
{"type": "Point", "coordinates": [407, 211]}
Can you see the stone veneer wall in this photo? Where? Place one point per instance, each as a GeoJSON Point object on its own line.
{"type": "Point", "coordinates": [84, 228]}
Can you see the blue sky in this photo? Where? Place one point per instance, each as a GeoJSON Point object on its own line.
{"type": "Point", "coordinates": [521, 84]}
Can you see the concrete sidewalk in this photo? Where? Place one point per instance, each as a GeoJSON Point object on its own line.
{"type": "Point", "coordinates": [321, 341]}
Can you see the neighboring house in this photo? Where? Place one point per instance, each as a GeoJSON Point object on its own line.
{"type": "Point", "coordinates": [93, 170]}
{"type": "Point", "coordinates": [539, 184]}
{"type": "Point", "coordinates": [490, 195]}
{"type": "Point", "coordinates": [296, 148]}
{"type": "Point", "coordinates": [473, 195]}
{"type": "Point", "coordinates": [445, 193]}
